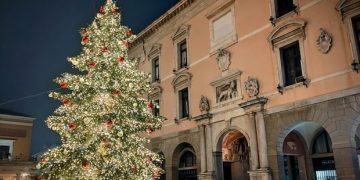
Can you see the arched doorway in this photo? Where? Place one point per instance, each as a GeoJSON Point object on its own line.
{"type": "Point", "coordinates": [184, 162]}
{"type": "Point", "coordinates": [307, 153]}
{"type": "Point", "coordinates": [235, 156]}
{"type": "Point", "coordinates": [187, 165]}
{"type": "Point", "coordinates": [294, 156]}
{"type": "Point", "coordinates": [322, 157]}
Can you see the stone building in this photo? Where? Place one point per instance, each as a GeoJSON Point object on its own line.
{"type": "Point", "coordinates": [15, 142]}
{"type": "Point", "coordinates": [265, 89]}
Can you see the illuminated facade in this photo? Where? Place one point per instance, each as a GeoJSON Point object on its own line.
{"type": "Point", "coordinates": [256, 89]}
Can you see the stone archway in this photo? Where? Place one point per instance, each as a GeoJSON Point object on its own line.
{"type": "Point", "coordinates": [184, 162]}
{"type": "Point", "coordinates": [233, 155]}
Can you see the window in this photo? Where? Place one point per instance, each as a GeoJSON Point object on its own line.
{"type": "Point", "coordinates": [291, 64]}
{"type": "Point", "coordinates": [180, 41]}
{"type": "Point", "coordinates": [283, 7]}
{"type": "Point", "coordinates": [187, 166]}
{"type": "Point", "coordinates": [222, 26]}
{"type": "Point", "coordinates": [156, 110]}
{"type": "Point", "coordinates": [182, 50]}
{"type": "Point", "coordinates": [356, 28]}
{"type": "Point", "coordinates": [184, 103]}
{"type": "Point", "coordinates": [291, 167]}
{"type": "Point", "coordinates": [6, 148]}
{"type": "Point", "coordinates": [322, 144]}
{"type": "Point", "coordinates": [156, 69]}
{"type": "Point", "coordinates": [287, 40]}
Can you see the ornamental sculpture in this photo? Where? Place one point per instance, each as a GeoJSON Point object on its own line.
{"type": "Point", "coordinates": [223, 60]}
{"type": "Point", "coordinates": [204, 105]}
{"type": "Point", "coordinates": [324, 41]}
{"type": "Point", "coordinates": [226, 91]}
{"type": "Point", "coordinates": [252, 87]}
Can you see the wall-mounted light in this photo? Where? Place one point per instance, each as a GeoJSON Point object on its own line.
{"type": "Point", "coordinates": [280, 89]}
{"type": "Point", "coordinates": [355, 66]}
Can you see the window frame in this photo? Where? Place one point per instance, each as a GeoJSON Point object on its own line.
{"type": "Point", "coordinates": [273, 11]}
{"type": "Point", "coordinates": [156, 109]}
{"type": "Point", "coordinates": [214, 15]}
{"type": "Point", "coordinates": [354, 48]}
{"type": "Point", "coordinates": [155, 66]}
{"type": "Point", "coordinates": [180, 51]}
{"type": "Point", "coordinates": [179, 37]}
{"type": "Point", "coordinates": [10, 143]}
{"type": "Point", "coordinates": [182, 106]}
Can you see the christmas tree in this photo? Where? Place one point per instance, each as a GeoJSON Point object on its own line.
{"type": "Point", "coordinates": [103, 110]}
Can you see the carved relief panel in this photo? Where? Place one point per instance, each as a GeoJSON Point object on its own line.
{"type": "Point", "coordinates": [227, 87]}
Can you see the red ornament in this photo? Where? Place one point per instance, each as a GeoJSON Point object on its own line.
{"type": "Point", "coordinates": [85, 39]}
{"type": "Point", "coordinates": [116, 93]}
{"type": "Point", "coordinates": [129, 33]}
{"type": "Point", "coordinates": [85, 164]}
{"type": "Point", "coordinates": [40, 178]}
{"type": "Point", "coordinates": [109, 123]}
{"type": "Point", "coordinates": [92, 64]}
{"type": "Point", "coordinates": [104, 49]}
{"type": "Point", "coordinates": [116, 10]}
{"type": "Point", "coordinates": [149, 130]}
{"type": "Point", "coordinates": [105, 141]}
{"type": "Point", "coordinates": [150, 106]}
{"type": "Point", "coordinates": [157, 172]}
{"type": "Point", "coordinates": [134, 169]}
{"type": "Point", "coordinates": [149, 160]}
{"type": "Point", "coordinates": [121, 59]}
{"type": "Point", "coordinates": [127, 44]}
{"type": "Point", "coordinates": [102, 10]}
{"type": "Point", "coordinates": [72, 125]}
{"type": "Point", "coordinates": [66, 102]}
{"type": "Point", "coordinates": [63, 85]}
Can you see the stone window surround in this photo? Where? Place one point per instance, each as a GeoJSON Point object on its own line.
{"type": "Point", "coordinates": [156, 93]}
{"type": "Point", "coordinates": [278, 40]}
{"type": "Point", "coordinates": [215, 14]}
{"type": "Point", "coordinates": [182, 152]}
{"type": "Point", "coordinates": [181, 81]}
{"type": "Point", "coordinates": [272, 8]}
{"type": "Point", "coordinates": [347, 12]}
{"type": "Point", "coordinates": [181, 35]}
{"type": "Point", "coordinates": [7, 142]}
{"type": "Point", "coordinates": [154, 53]}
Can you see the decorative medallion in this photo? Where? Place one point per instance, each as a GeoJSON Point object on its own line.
{"type": "Point", "coordinates": [324, 41]}
{"type": "Point", "coordinates": [252, 87]}
{"type": "Point", "coordinates": [204, 104]}
{"type": "Point", "coordinates": [223, 60]}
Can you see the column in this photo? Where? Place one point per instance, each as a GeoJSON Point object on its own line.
{"type": "Point", "coordinates": [254, 161]}
{"type": "Point", "coordinates": [203, 149]}
{"type": "Point", "coordinates": [262, 144]}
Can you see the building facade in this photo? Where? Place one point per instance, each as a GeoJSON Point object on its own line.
{"type": "Point", "coordinates": [255, 89]}
{"type": "Point", "coordinates": [15, 143]}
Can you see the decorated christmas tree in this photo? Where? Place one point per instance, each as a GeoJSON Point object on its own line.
{"type": "Point", "coordinates": [103, 111]}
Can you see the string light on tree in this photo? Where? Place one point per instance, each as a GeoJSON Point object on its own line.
{"type": "Point", "coordinates": [104, 111]}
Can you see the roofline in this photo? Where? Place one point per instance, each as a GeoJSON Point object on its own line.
{"type": "Point", "coordinates": [16, 117]}
{"type": "Point", "coordinates": [163, 19]}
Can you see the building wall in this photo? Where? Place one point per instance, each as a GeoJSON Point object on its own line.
{"type": "Point", "coordinates": [330, 99]}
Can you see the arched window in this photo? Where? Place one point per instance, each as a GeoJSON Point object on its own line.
{"type": "Point", "coordinates": [187, 166]}
{"type": "Point", "coordinates": [322, 144]}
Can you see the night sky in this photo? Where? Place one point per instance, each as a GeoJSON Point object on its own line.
{"type": "Point", "coordinates": [36, 37]}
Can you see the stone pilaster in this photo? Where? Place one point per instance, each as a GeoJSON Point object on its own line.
{"type": "Point", "coordinates": [346, 163]}
{"type": "Point", "coordinates": [254, 108]}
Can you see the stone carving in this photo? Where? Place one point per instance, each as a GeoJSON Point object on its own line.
{"type": "Point", "coordinates": [226, 91]}
{"type": "Point", "coordinates": [252, 87]}
{"type": "Point", "coordinates": [324, 41]}
{"type": "Point", "coordinates": [239, 150]}
{"type": "Point", "coordinates": [204, 105]}
{"type": "Point", "coordinates": [223, 60]}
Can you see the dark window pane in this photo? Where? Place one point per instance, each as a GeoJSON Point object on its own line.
{"type": "Point", "coordinates": [291, 62]}
{"type": "Point", "coordinates": [322, 144]}
{"type": "Point", "coordinates": [182, 54]}
{"type": "Point", "coordinates": [156, 69]}
{"type": "Point", "coordinates": [356, 26]}
{"type": "Point", "coordinates": [184, 103]}
{"type": "Point", "coordinates": [283, 7]}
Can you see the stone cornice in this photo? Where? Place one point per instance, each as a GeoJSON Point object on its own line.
{"type": "Point", "coordinates": [171, 13]}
